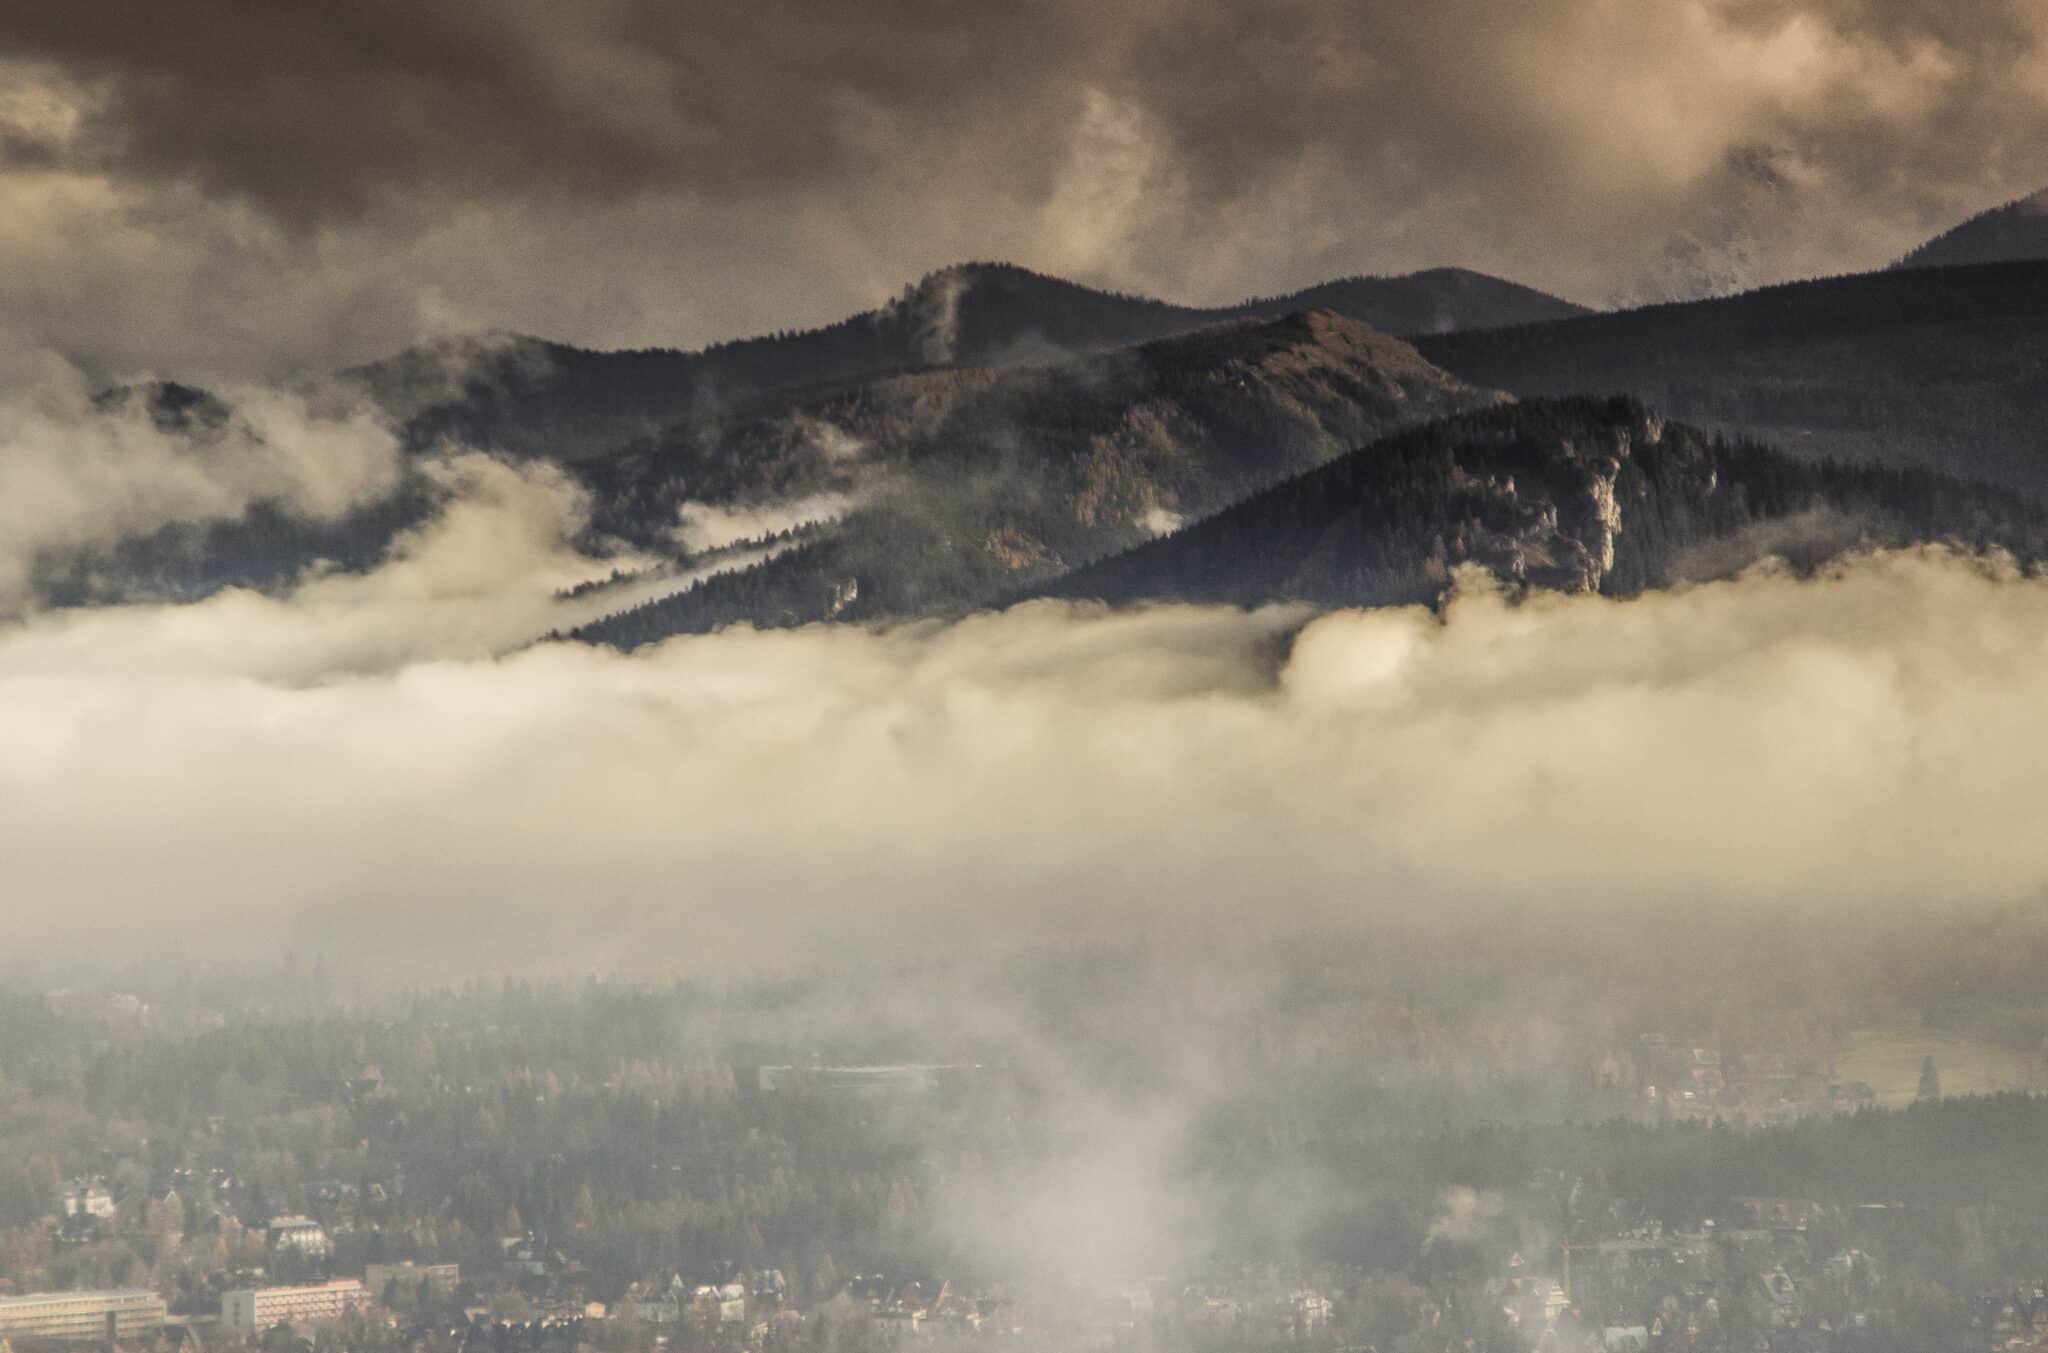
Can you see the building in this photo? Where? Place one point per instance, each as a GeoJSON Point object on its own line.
{"type": "Point", "coordinates": [1311, 1310]}
{"type": "Point", "coordinates": [441, 1279]}
{"type": "Point", "coordinates": [88, 1198]}
{"type": "Point", "coordinates": [300, 1235]}
{"type": "Point", "coordinates": [109, 1314]}
{"type": "Point", "coordinates": [254, 1310]}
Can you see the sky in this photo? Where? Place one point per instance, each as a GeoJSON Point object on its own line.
{"type": "Point", "coordinates": [229, 190]}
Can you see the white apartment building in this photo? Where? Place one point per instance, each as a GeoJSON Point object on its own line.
{"type": "Point", "coordinates": [113, 1313]}
{"type": "Point", "coordinates": [254, 1310]}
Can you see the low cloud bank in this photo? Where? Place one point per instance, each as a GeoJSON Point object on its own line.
{"type": "Point", "coordinates": [374, 764]}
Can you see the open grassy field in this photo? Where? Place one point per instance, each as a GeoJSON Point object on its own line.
{"type": "Point", "coordinates": [1890, 1062]}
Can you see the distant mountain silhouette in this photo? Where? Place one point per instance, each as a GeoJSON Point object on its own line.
{"type": "Point", "coordinates": [1575, 495]}
{"type": "Point", "coordinates": [537, 398]}
{"type": "Point", "coordinates": [2014, 233]}
{"type": "Point", "coordinates": [1941, 367]}
{"type": "Point", "coordinates": [972, 483]}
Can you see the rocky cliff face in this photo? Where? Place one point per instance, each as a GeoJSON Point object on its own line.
{"type": "Point", "coordinates": [1554, 528]}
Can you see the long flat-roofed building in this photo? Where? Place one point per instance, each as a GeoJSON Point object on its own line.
{"type": "Point", "coordinates": [255, 1309]}
{"type": "Point", "coordinates": [108, 1313]}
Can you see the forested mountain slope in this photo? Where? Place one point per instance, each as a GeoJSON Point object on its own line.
{"type": "Point", "coordinates": [1945, 368]}
{"type": "Point", "coordinates": [1577, 495]}
{"type": "Point", "coordinates": [533, 397]}
{"type": "Point", "coordinates": [2013, 233]}
{"type": "Point", "coordinates": [969, 484]}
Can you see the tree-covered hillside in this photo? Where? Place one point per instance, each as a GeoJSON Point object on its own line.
{"type": "Point", "coordinates": [1576, 494]}
{"type": "Point", "coordinates": [532, 397]}
{"type": "Point", "coordinates": [2013, 233]}
{"type": "Point", "coordinates": [978, 483]}
{"type": "Point", "coordinates": [1945, 368]}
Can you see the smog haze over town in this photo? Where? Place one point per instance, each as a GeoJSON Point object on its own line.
{"type": "Point", "coordinates": [924, 676]}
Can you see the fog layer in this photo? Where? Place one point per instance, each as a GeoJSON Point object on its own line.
{"type": "Point", "coordinates": [375, 764]}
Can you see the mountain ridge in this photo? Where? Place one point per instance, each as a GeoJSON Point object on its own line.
{"type": "Point", "coordinates": [1572, 495]}
{"type": "Point", "coordinates": [531, 396]}
{"type": "Point", "coordinates": [1945, 368]}
{"type": "Point", "coordinates": [988, 479]}
{"type": "Point", "coordinates": [2015, 232]}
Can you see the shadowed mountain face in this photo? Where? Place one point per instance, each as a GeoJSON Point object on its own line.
{"type": "Point", "coordinates": [953, 483]}
{"type": "Point", "coordinates": [1575, 495]}
{"type": "Point", "coordinates": [2014, 233]}
{"type": "Point", "coordinates": [970, 484]}
{"type": "Point", "coordinates": [537, 398]}
{"type": "Point", "coordinates": [1945, 368]}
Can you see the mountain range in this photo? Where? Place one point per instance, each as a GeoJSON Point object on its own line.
{"type": "Point", "coordinates": [965, 484]}
{"type": "Point", "coordinates": [993, 434]}
{"type": "Point", "coordinates": [531, 397]}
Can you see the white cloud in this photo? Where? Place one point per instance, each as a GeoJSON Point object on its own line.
{"type": "Point", "coordinates": [1861, 744]}
{"type": "Point", "coordinates": [714, 526]}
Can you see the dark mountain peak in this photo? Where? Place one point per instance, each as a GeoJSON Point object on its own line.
{"type": "Point", "coordinates": [2015, 232]}
{"type": "Point", "coordinates": [451, 367]}
{"type": "Point", "coordinates": [999, 314]}
{"type": "Point", "coordinates": [1015, 277]}
{"type": "Point", "coordinates": [533, 397]}
{"type": "Point", "coordinates": [1438, 300]}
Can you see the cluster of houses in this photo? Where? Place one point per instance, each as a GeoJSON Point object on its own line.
{"type": "Point", "coordinates": [755, 1309]}
{"type": "Point", "coordinates": [1681, 1077]}
{"type": "Point", "coordinates": [1781, 1276]}
{"type": "Point", "coordinates": [90, 1206]}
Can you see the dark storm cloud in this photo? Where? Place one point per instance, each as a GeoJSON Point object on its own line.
{"type": "Point", "coordinates": [318, 111]}
{"type": "Point", "coordinates": [293, 181]}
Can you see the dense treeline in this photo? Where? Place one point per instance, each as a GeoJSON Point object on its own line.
{"type": "Point", "coordinates": [1945, 368]}
{"type": "Point", "coordinates": [1527, 490]}
{"type": "Point", "coordinates": [2007, 234]}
